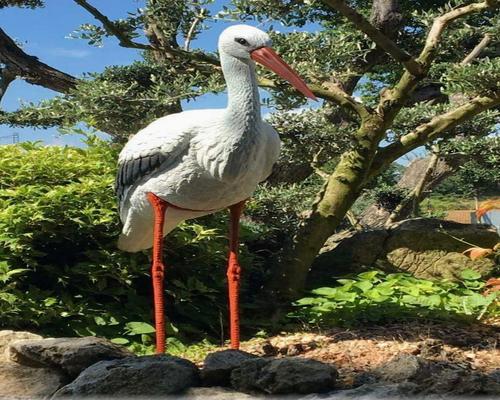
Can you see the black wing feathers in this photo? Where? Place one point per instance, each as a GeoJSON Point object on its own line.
{"type": "Point", "coordinates": [131, 171]}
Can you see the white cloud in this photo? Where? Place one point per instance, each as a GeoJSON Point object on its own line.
{"type": "Point", "coordinates": [69, 53]}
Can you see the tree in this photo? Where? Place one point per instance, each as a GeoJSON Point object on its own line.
{"type": "Point", "coordinates": [392, 76]}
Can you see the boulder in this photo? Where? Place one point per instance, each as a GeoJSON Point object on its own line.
{"type": "Point", "coordinates": [217, 366]}
{"type": "Point", "coordinates": [157, 375]}
{"type": "Point", "coordinates": [403, 368]}
{"type": "Point", "coordinates": [424, 247]}
{"type": "Point", "coordinates": [22, 382]}
{"type": "Point", "coordinates": [460, 382]}
{"type": "Point", "coordinates": [284, 375]}
{"type": "Point", "coordinates": [370, 391]}
{"type": "Point", "coordinates": [72, 355]}
{"type": "Point", "coordinates": [7, 337]}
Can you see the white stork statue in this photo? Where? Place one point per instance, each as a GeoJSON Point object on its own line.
{"type": "Point", "coordinates": [197, 162]}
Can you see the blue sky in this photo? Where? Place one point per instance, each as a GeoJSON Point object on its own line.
{"type": "Point", "coordinates": [44, 33]}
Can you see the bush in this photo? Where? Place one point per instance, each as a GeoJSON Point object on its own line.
{"type": "Point", "coordinates": [374, 296]}
{"type": "Point", "coordinates": [60, 270]}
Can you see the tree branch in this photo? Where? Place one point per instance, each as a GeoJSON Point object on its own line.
{"type": "Point", "coordinates": [477, 50]}
{"type": "Point", "coordinates": [333, 93]}
{"type": "Point", "coordinates": [384, 42]}
{"type": "Point", "coordinates": [438, 127]}
{"type": "Point", "coordinates": [30, 69]}
{"type": "Point", "coordinates": [440, 23]}
{"type": "Point", "coordinates": [111, 27]}
{"type": "Point", "coordinates": [392, 100]}
{"type": "Point", "coordinates": [7, 76]}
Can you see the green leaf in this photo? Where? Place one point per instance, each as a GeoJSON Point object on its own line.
{"type": "Point", "coordinates": [120, 340]}
{"type": "Point", "coordinates": [138, 328]}
{"type": "Point", "coordinates": [470, 274]}
{"type": "Point", "coordinates": [325, 291]}
{"type": "Point", "coordinates": [364, 285]}
{"type": "Point", "coordinates": [369, 275]}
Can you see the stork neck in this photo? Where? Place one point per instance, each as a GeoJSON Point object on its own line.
{"type": "Point", "coordinates": [243, 105]}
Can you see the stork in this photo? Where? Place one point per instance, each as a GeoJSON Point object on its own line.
{"type": "Point", "coordinates": [197, 162]}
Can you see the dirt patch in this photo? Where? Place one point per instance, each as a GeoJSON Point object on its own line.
{"type": "Point", "coordinates": [355, 351]}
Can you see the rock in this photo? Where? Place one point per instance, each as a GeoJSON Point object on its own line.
{"type": "Point", "coordinates": [404, 367]}
{"type": "Point", "coordinates": [370, 391]}
{"type": "Point", "coordinates": [7, 337]}
{"type": "Point", "coordinates": [22, 382]}
{"type": "Point", "coordinates": [134, 376]}
{"type": "Point", "coordinates": [347, 252]}
{"type": "Point", "coordinates": [457, 381]}
{"type": "Point", "coordinates": [284, 375]}
{"type": "Point", "coordinates": [217, 366]}
{"type": "Point", "coordinates": [424, 247]}
{"type": "Point", "coordinates": [72, 355]}
{"type": "Point", "coordinates": [215, 393]}
{"type": "Point", "coordinates": [434, 264]}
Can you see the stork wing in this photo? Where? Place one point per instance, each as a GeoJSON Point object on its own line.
{"type": "Point", "coordinates": [150, 149]}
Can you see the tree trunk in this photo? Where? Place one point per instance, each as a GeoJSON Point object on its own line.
{"type": "Point", "coordinates": [340, 192]}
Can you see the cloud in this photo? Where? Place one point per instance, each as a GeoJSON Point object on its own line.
{"type": "Point", "coordinates": [69, 53]}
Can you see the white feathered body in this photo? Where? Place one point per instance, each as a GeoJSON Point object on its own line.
{"type": "Point", "coordinates": [213, 162]}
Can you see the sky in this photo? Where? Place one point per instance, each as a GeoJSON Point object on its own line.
{"type": "Point", "coordinates": [44, 33]}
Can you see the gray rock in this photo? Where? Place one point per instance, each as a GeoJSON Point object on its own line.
{"type": "Point", "coordinates": [22, 382]}
{"type": "Point", "coordinates": [459, 382]}
{"type": "Point", "coordinates": [284, 375]}
{"type": "Point", "coordinates": [214, 393]}
{"type": "Point", "coordinates": [370, 391]}
{"type": "Point", "coordinates": [134, 376]}
{"type": "Point", "coordinates": [404, 367]}
{"type": "Point", "coordinates": [72, 355]}
{"type": "Point", "coordinates": [217, 366]}
{"type": "Point", "coordinates": [424, 247]}
{"type": "Point", "coordinates": [7, 337]}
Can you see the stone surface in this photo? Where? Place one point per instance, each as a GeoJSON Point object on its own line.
{"type": "Point", "coordinates": [72, 355]}
{"type": "Point", "coordinates": [7, 337]}
{"type": "Point", "coordinates": [424, 247]}
{"type": "Point", "coordinates": [459, 382]}
{"type": "Point", "coordinates": [134, 376]}
{"type": "Point", "coordinates": [217, 366]}
{"type": "Point", "coordinates": [404, 368]}
{"type": "Point", "coordinates": [284, 375]}
{"type": "Point", "coordinates": [22, 382]}
{"type": "Point", "coordinates": [215, 393]}
{"type": "Point", "coordinates": [368, 392]}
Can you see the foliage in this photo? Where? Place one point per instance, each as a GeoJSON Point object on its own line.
{"type": "Point", "coordinates": [60, 271]}
{"type": "Point", "coordinates": [374, 296]}
{"type": "Point", "coordinates": [21, 3]}
{"type": "Point", "coordinates": [374, 109]}
{"type": "Point", "coordinates": [479, 174]}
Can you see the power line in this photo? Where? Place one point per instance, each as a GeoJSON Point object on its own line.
{"type": "Point", "coordinates": [14, 137]}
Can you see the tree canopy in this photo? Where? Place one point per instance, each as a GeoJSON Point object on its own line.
{"type": "Point", "coordinates": [391, 76]}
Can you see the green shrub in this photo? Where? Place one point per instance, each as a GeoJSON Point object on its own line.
{"type": "Point", "coordinates": [60, 270]}
{"type": "Point", "coordinates": [378, 297]}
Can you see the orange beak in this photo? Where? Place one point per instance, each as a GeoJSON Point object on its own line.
{"type": "Point", "coordinates": [270, 59]}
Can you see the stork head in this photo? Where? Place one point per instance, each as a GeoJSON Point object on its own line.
{"type": "Point", "coordinates": [248, 43]}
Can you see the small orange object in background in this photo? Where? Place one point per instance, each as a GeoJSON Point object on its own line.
{"type": "Point", "coordinates": [492, 285]}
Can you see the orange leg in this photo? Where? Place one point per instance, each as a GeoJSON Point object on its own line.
{"type": "Point", "coordinates": [233, 274]}
{"type": "Point", "coordinates": [158, 269]}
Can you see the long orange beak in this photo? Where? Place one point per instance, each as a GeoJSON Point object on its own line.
{"type": "Point", "coordinates": [270, 59]}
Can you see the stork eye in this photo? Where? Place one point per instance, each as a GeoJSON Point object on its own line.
{"type": "Point", "coordinates": [242, 41]}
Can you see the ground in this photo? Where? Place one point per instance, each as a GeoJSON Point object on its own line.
{"type": "Point", "coordinates": [361, 349]}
